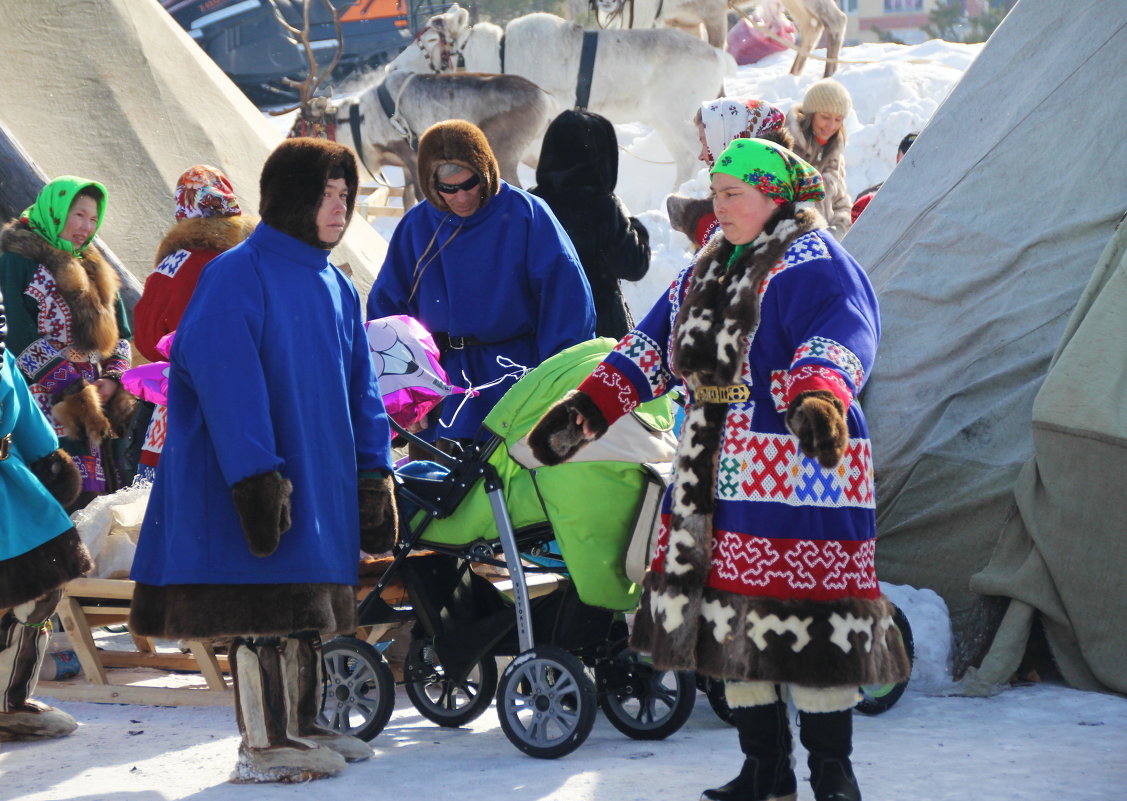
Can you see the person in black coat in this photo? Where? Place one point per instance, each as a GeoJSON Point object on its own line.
{"type": "Point", "coordinates": [576, 176]}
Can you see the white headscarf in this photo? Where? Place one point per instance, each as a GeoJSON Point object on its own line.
{"type": "Point", "coordinates": [728, 118]}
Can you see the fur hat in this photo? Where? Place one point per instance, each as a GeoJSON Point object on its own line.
{"type": "Point", "coordinates": [456, 142]}
{"type": "Point", "coordinates": [293, 181]}
{"type": "Point", "coordinates": [827, 96]}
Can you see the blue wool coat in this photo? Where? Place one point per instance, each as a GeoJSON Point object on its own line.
{"type": "Point", "coordinates": [29, 514]}
{"type": "Point", "coordinates": [270, 371]}
{"type": "Point", "coordinates": [507, 275]}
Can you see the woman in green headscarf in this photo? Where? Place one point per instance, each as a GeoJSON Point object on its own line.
{"type": "Point", "coordinates": [763, 574]}
{"type": "Point", "coordinates": [67, 325]}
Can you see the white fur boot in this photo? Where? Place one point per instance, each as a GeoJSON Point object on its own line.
{"type": "Point", "coordinates": [267, 753]}
{"type": "Point", "coordinates": [304, 678]}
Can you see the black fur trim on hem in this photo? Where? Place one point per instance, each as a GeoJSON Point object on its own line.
{"type": "Point", "coordinates": [44, 568]}
{"type": "Point", "coordinates": [202, 611]}
{"type": "Point", "coordinates": [764, 633]}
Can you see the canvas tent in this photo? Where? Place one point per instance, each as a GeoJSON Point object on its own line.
{"type": "Point", "coordinates": [115, 90]}
{"type": "Point", "coordinates": [997, 463]}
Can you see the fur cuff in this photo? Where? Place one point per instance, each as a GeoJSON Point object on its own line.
{"type": "Point", "coordinates": [81, 416]}
{"type": "Point", "coordinates": [817, 418]}
{"type": "Point", "coordinates": [558, 436]}
{"type": "Point", "coordinates": [263, 505]}
{"type": "Point", "coordinates": [59, 474]}
{"type": "Point", "coordinates": [379, 520]}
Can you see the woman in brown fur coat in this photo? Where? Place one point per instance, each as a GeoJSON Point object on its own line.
{"type": "Point", "coordinates": [209, 221]}
{"type": "Point", "coordinates": [67, 326]}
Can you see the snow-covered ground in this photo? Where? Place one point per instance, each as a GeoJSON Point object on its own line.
{"type": "Point", "coordinates": [1028, 743]}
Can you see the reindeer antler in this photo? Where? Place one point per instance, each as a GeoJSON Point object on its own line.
{"type": "Point", "coordinates": [307, 89]}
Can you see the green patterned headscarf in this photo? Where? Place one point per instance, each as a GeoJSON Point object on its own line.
{"type": "Point", "coordinates": [772, 169]}
{"type": "Point", "coordinates": [47, 216]}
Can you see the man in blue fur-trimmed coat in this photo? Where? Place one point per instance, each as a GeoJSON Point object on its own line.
{"type": "Point", "coordinates": [276, 469]}
{"type": "Point", "coordinates": [486, 268]}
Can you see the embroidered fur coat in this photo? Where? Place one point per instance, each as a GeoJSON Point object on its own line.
{"type": "Point", "coordinates": [764, 569]}
{"type": "Point", "coordinates": [68, 328]}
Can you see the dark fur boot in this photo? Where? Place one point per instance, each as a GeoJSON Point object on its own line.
{"type": "Point", "coordinates": [828, 737]}
{"type": "Point", "coordinates": [267, 753]}
{"type": "Point", "coordinates": [765, 740]}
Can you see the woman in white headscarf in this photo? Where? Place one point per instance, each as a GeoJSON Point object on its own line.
{"type": "Point", "coordinates": [719, 122]}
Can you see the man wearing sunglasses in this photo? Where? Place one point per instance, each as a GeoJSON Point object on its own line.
{"type": "Point", "coordinates": [487, 268]}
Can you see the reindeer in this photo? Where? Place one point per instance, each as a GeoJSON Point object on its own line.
{"type": "Point", "coordinates": [511, 111]}
{"type": "Point", "coordinates": [313, 110]}
{"type": "Point", "coordinates": [684, 15]}
{"type": "Point", "coordinates": [811, 17]}
{"type": "Point", "coordinates": [657, 77]}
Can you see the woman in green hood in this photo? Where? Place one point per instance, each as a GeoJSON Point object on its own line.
{"type": "Point", "coordinates": [67, 325]}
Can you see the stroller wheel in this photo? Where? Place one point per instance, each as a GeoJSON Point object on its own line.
{"type": "Point", "coordinates": [713, 690]}
{"type": "Point", "coordinates": [441, 698]}
{"type": "Point", "coordinates": [641, 701]}
{"type": "Point", "coordinates": [546, 702]}
{"type": "Point", "coordinates": [359, 688]}
{"type": "Point", "coordinates": [877, 698]}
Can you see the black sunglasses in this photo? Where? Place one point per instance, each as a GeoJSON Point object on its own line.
{"type": "Point", "coordinates": [451, 189]}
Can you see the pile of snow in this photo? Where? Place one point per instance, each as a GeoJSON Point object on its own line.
{"type": "Point", "coordinates": [895, 90]}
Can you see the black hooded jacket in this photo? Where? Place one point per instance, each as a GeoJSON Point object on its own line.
{"type": "Point", "coordinates": [576, 176]}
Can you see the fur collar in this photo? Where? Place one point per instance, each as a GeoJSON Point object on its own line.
{"type": "Point", "coordinates": [88, 285]}
{"type": "Point", "coordinates": [205, 233]}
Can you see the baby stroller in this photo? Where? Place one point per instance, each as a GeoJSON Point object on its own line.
{"type": "Point", "coordinates": [495, 505]}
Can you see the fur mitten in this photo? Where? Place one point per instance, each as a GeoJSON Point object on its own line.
{"type": "Point", "coordinates": [81, 416]}
{"type": "Point", "coordinates": [120, 410]}
{"type": "Point", "coordinates": [817, 418]}
{"type": "Point", "coordinates": [558, 436]}
{"type": "Point", "coordinates": [263, 504]}
{"type": "Point", "coordinates": [59, 474]}
{"type": "Point", "coordinates": [379, 520]}
{"type": "Point", "coordinates": [685, 213]}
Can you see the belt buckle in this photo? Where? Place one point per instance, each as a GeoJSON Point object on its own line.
{"type": "Point", "coordinates": [733, 393]}
{"type": "Point", "coordinates": [456, 343]}
{"type": "Point", "coordinates": [5, 446]}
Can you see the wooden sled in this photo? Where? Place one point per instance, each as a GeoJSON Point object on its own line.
{"type": "Point", "coordinates": [89, 603]}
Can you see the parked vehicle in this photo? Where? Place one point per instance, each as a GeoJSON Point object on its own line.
{"type": "Point", "coordinates": [249, 42]}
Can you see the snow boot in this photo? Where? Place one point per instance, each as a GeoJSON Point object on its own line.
{"type": "Point", "coordinates": [267, 753]}
{"type": "Point", "coordinates": [23, 645]}
{"type": "Point", "coordinates": [304, 679]}
{"type": "Point", "coordinates": [828, 737]}
{"type": "Point", "coordinates": [767, 774]}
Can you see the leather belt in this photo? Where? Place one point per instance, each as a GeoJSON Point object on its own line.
{"type": "Point", "coordinates": [733, 393]}
{"type": "Point", "coordinates": [5, 446]}
{"type": "Point", "coordinates": [452, 342]}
